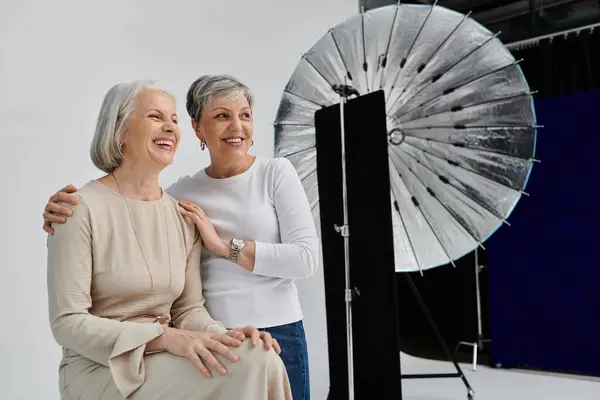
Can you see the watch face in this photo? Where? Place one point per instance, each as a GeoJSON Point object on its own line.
{"type": "Point", "coordinates": [237, 242]}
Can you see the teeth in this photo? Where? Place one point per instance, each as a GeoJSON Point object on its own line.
{"type": "Point", "coordinates": [233, 140]}
{"type": "Point", "coordinates": [164, 142]}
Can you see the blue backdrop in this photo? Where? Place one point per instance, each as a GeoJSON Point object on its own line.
{"type": "Point", "coordinates": [544, 270]}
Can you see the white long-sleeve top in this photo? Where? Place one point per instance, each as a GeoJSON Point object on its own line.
{"type": "Point", "coordinates": [265, 204]}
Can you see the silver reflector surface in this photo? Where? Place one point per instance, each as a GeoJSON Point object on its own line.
{"type": "Point", "coordinates": [460, 116]}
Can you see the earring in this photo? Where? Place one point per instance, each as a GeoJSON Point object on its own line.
{"type": "Point", "coordinates": [202, 144]}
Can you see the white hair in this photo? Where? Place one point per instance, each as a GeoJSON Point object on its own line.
{"type": "Point", "coordinates": [204, 89]}
{"type": "Point", "coordinates": [106, 149]}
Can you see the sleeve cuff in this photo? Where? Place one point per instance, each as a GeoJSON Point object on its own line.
{"type": "Point", "coordinates": [126, 361]}
{"type": "Point", "coordinates": [260, 266]}
{"type": "Point", "coordinates": [197, 322]}
{"type": "Point", "coordinates": [217, 328]}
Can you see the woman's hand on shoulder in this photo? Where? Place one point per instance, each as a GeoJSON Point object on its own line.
{"type": "Point", "coordinates": [211, 239]}
{"type": "Point", "coordinates": [54, 213]}
{"type": "Point", "coordinates": [255, 335]}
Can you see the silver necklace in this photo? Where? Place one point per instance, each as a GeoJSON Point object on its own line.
{"type": "Point", "coordinates": [162, 319]}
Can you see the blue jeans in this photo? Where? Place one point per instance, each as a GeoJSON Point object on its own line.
{"type": "Point", "coordinates": [294, 353]}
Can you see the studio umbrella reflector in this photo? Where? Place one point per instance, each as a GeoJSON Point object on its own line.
{"type": "Point", "coordinates": [460, 116]}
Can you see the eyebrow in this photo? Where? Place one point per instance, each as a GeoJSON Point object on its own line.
{"type": "Point", "coordinates": [227, 109]}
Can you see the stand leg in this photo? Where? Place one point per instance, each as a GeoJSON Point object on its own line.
{"type": "Point", "coordinates": [478, 344]}
{"type": "Point", "coordinates": [440, 338]}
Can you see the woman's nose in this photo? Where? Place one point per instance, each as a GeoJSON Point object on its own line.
{"type": "Point", "coordinates": [235, 125]}
{"type": "Point", "coordinates": [169, 127]}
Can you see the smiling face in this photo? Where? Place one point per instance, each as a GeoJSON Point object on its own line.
{"type": "Point", "coordinates": [152, 133]}
{"type": "Point", "coordinates": [226, 125]}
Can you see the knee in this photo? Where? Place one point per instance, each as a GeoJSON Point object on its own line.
{"type": "Point", "coordinates": [272, 361]}
{"type": "Point", "coordinates": [265, 359]}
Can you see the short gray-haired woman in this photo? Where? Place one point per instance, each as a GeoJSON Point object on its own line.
{"type": "Point", "coordinates": [254, 219]}
{"type": "Point", "coordinates": [124, 286]}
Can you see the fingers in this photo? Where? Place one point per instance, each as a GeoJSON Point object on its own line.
{"type": "Point", "coordinates": [236, 333]}
{"type": "Point", "coordinates": [68, 189]}
{"type": "Point", "coordinates": [254, 335]}
{"type": "Point", "coordinates": [63, 197]}
{"type": "Point", "coordinates": [228, 340]}
{"type": "Point", "coordinates": [267, 340]}
{"type": "Point", "coordinates": [209, 359]}
{"type": "Point", "coordinates": [195, 359]}
{"type": "Point", "coordinates": [251, 332]}
{"type": "Point", "coordinates": [54, 213]}
{"type": "Point", "coordinates": [220, 348]}
{"type": "Point", "coordinates": [55, 208]}
{"type": "Point", "coordinates": [192, 208]}
{"type": "Point", "coordinates": [276, 346]}
{"type": "Point", "coordinates": [53, 218]}
{"type": "Point", "coordinates": [192, 215]}
{"type": "Point", "coordinates": [48, 228]}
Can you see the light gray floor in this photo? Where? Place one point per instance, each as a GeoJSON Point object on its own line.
{"type": "Point", "coordinates": [488, 383]}
{"type": "Point", "coordinates": [494, 384]}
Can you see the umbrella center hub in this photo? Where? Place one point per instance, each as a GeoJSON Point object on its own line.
{"type": "Point", "coordinates": [396, 136]}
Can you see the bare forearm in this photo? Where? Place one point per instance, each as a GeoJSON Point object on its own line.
{"type": "Point", "coordinates": [247, 256]}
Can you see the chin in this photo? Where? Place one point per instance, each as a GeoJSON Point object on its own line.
{"type": "Point", "coordinates": [163, 162]}
{"type": "Point", "coordinates": [237, 150]}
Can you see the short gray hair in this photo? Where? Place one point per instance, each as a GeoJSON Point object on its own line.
{"type": "Point", "coordinates": [204, 89]}
{"type": "Point", "coordinates": [115, 110]}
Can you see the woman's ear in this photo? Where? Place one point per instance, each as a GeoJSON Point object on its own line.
{"type": "Point", "coordinates": [123, 138]}
{"type": "Point", "coordinates": [196, 128]}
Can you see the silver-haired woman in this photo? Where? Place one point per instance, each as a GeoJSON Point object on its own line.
{"type": "Point", "coordinates": [124, 286]}
{"type": "Point", "coordinates": [255, 221]}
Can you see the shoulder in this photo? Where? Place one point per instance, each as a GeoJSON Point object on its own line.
{"type": "Point", "coordinates": [78, 224]}
{"type": "Point", "coordinates": [281, 177]}
{"type": "Point", "coordinates": [89, 194]}
{"type": "Point", "coordinates": [273, 162]}
{"type": "Point", "coordinates": [188, 228]}
{"type": "Point", "coordinates": [278, 167]}
{"type": "Point", "coordinates": [93, 190]}
{"type": "Point", "coordinates": [284, 173]}
{"type": "Point", "coordinates": [97, 199]}
{"type": "Point", "coordinates": [182, 187]}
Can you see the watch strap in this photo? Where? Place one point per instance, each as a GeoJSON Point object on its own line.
{"type": "Point", "coordinates": [234, 253]}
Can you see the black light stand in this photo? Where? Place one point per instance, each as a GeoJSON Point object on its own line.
{"type": "Point", "coordinates": [358, 248]}
{"type": "Point", "coordinates": [459, 373]}
{"type": "Point", "coordinates": [479, 342]}
{"type": "Point", "coordinates": [358, 252]}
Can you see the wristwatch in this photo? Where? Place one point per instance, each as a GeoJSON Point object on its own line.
{"type": "Point", "coordinates": [237, 245]}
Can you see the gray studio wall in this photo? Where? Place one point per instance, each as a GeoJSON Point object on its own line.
{"type": "Point", "coordinates": [58, 60]}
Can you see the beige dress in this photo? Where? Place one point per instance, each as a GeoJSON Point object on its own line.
{"type": "Point", "coordinates": [113, 268]}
